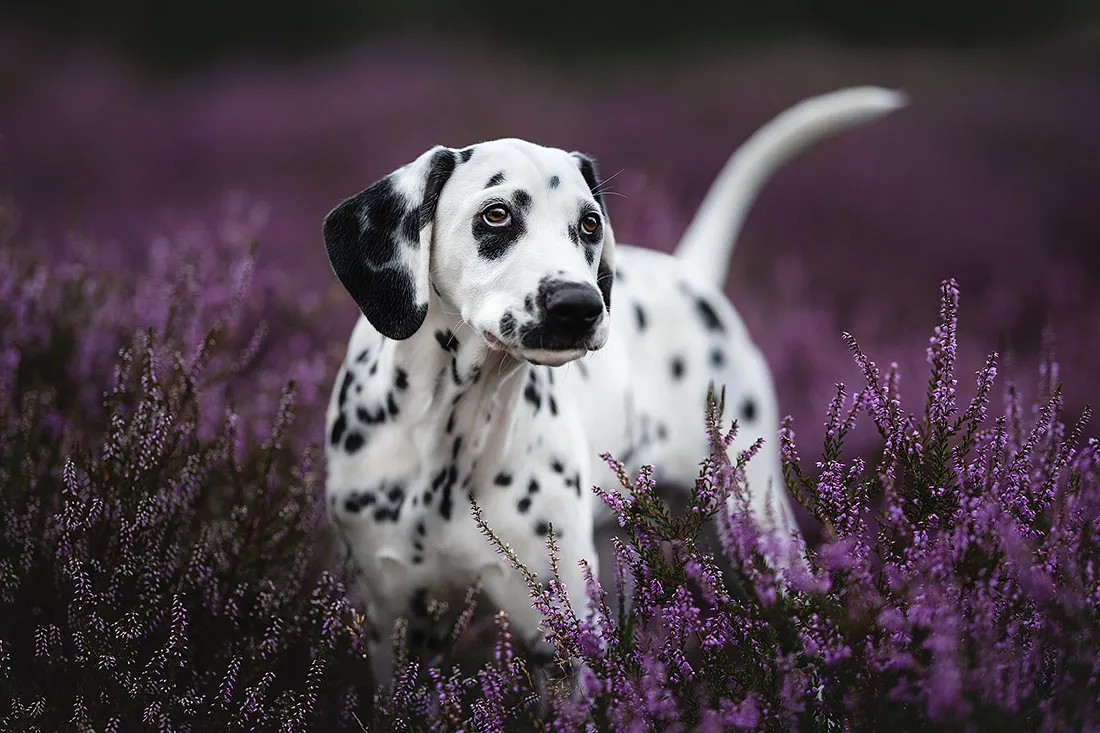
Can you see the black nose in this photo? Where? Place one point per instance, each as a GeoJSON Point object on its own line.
{"type": "Point", "coordinates": [571, 310]}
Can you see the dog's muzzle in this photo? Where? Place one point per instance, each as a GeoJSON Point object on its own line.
{"type": "Point", "coordinates": [568, 323]}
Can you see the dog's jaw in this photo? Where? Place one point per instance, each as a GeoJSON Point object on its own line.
{"type": "Point", "coordinates": [546, 357]}
{"type": "Point", "coordinates": [538, 357]}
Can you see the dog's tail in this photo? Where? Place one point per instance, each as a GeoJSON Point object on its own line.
{"type": "Point", "coordinates": [710, 237]}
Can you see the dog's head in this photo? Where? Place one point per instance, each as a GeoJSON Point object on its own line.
{"type": "Point", "coordinates": [513, 237]}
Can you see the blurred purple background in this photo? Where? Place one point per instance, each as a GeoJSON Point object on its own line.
{"type": "Point", "coordinates": [992, 176]}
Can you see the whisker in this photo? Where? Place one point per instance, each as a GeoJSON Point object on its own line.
{"type": "Point", "coordinates": [605, 181]}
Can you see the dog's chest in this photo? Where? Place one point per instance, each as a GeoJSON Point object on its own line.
{"type": "Point", "coordinates": [398, 495]}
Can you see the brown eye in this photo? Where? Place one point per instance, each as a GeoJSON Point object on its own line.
{"type": "Point", "coordinates": [496, 216]}
{"type": "Point", "coordinates": [590, 223]}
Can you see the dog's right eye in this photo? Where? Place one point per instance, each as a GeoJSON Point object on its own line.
{"type": "Point", "coordinates": [496, 216]}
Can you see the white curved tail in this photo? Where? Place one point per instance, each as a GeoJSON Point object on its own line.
{"type": "Point", "coordinates": [710, 237]}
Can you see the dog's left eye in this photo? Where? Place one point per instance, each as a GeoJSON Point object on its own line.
{"type": "Point", "coordinates": [590, 223]}
{"type": "Point", "coordinates": [496, 216]}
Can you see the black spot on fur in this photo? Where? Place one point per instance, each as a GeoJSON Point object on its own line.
{"type": "Point", "coordinates": [507, 326]}
{"type": "Point", "coordinates": [420, 528]}
{"type": "Point", "coordinates": [574, 234]}
{"type": "Point", "coordinates": [557, 466]}
{"type": "Point", "coordinates": [338, 429]}
{"type": "Point", "coordinates": [417, 559]}
{"type": "Point", "coordinates": [456, 447]}
{"type": "Point", "coordinates": [496, 180]}
{"type": "Point", "coordinates": [391, 405]}
{"type": "Point", "coordinates": [531, 394]}
{"type": "Point", "coordinates": [373, 369]}
{"type": "Point", "coordinates": [604, 281]}
{"type": "Point", "coordinates": [553, 404]}
{"type": "Point", "coordinates": [465, 154]}
{"type": "Point", "coordinates": [542, 528]}
{"type": "Point", "coordinates": [717, 357]}
{"type": "Point", "coordinates": [451, 422]}
{"type": "Point", "coordinates": [396, 494]}
{"type": "Point", "coordinates": [590, 253]}
{"type": "Point", "coordinates": [522, 200]}
{"type": "Point", "coordinates": [677, 366]}
{"type": "Point", "coordinates": [387, 514]}
{"type": "Point", "coordinates": [639, 316]}
{"type": "Point", "coordinates": [503, 479]}
{"type": "Point", "coordinates": [358, 501]}
{"type": "Point", "coordinates": [401, 379]}
{"type": "Point", "coordinates": [523, 505]}
{"type": "Point", "coordinates": [554, 181]}
{"type": "Point", "coordinates": [362, 356]}
{"type": "Point", "coordinates": [533, 487]}
{"type": "Point", "coordinates": [575, 483]}
{"type": "Point", "coordinates": [446, 502]}
{"type": "Point", "coordinates": [370, 418]}
{"type": "Point", "coordinates": [708, 316]}
{"type": "Point", "coordinates": [662, 431]}
{"type": "Point", "coordinates": [442, 166]}
{"type": "Point", "coordinates": [349, 379]}
{"type": "Point", "coordinates": [410, 228]}
{"type": "Point", "coordinates": [748, 409]}
{"type": "Point", "coordinates": [418, 545]}
{"type": "Point", "coordinates": [447, 340]}
{"type": "Point", "coordinates": [493, 242]}
{"type": "Point", "coordinates": [354, 442]}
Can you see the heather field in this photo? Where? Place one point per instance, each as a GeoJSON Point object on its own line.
{"type": "Point", "coordinates": [179, 220]}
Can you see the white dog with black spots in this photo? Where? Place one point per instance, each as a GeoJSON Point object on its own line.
{"type": "Point", "coordinates": [507, 340]}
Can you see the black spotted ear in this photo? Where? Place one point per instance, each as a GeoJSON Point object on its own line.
{"type": "Point", "coordinates": [605, 271]}
{"type": "Point", "coordinates": [379, 243]}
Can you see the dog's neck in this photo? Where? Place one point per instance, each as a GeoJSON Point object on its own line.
{"type": "Point", "coordinates": [457, 384]}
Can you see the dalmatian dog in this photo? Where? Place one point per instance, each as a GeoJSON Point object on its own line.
{"type": "Point", "coordinates": [507, 340]}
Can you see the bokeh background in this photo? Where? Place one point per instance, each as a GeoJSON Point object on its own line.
{"type": "Point", "coordinates": [124, 120]}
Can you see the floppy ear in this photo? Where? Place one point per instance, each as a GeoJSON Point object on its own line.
{"type": "Point", "coordinates": [379, 243]}
{"type": "Point", "coordinates": [605, 273]}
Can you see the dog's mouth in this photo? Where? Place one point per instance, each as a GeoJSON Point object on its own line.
{"type": "Point", "coordinates": [494, 342]}
{"type": "Point", "coordinates": [539, 356]}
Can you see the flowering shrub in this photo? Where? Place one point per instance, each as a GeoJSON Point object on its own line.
{"type": "Point", "coordinates": [159, 557]}
{"type": "Point", "coordinates": [163, 558]}
{"type": "Point", "coordinates": [957, 585]}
